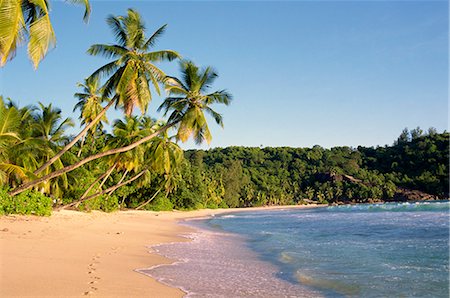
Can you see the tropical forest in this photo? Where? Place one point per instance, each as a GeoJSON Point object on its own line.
{"type": "Point", "coordinates": [136, 161]}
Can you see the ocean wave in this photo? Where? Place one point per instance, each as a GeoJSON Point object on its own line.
{"type": "Point", "coordinates": [392, 207]}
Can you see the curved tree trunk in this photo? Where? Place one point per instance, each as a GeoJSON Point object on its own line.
{"type": "Point", "coordinates": [113, 188]}
{"type": "Point", "coordinates": [92, 185]}
{"type": "Point", "coordinates": [149, 200]}
{"type": "Point", "coordinates": [77, 137]}
{"type": "Point", "coordinates": [121, 179]}
{"type": "Point", "coordinates": [104, 176]}
{"type": "Point", "coordinates": [76, 165]}
{"type": "Point", "coordinates": [107, 176]}
{"type": "Point", "coordinates": [81, 145]}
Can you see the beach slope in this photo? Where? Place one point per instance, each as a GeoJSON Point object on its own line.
{"type": "Point", "coordinates": [74, 254]}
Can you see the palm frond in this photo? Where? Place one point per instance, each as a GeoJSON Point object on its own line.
{"type": "Point", "coordinates": [135, 29]}
{"type": "Point", "coordinates": [42, 36]}
{"type": "Point", "coordinates": [106, 70]}
{"type": "Point", "coordinates": [222, 96]}
{"type": "Point", "coordinates": [87, 8]}
{"type": "Point", "coordinates": [216, 116]}
{"type": "Point", "coordinates": [144, 95]}
{"type": "Point", "coordinates": [107, 51]}
{"type": "Point", "coordinates": [152, 39]}
{"type": "Point", "coordinates": [163, 55]}
{"type": "Point", "coordinates": [12, 25]}
{"type": "Point", "coordinates": [20, 172]}
{"type": "Point", "coordinates": [115, 23]}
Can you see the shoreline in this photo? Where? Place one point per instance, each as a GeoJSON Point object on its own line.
{"type": "Point", "coordinates": [92, 254]}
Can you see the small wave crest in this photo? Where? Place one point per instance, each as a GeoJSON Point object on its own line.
{"type": "Point", "coordinates": [393, 207]}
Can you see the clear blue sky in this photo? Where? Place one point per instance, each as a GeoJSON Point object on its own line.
{"type": "Point", "coordinates": [302, 72]}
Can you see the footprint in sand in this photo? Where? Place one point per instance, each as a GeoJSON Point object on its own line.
{"type": "Point", "coordinates": [93, 278]}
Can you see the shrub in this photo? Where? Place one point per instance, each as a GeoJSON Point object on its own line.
{"type": "Point", "coordinates": [26, 203]}
{"type": "Point", "coordinates": [161, 203]}
{"type": "Point", "coordinates": [104, 203]}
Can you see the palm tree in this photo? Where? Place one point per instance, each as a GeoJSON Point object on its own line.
{"type": "Point", "coordinates": [129, 74]}
{"type": "Point", "coordinates": [186, 113]}
{"type": "Point", "coordinates": [125, 133]}
{"type": "Point", "coordinates": [90, 105]}
{"type": "Point", "coordinates": [27, 137]}
{"type": "Point", "coordinates": [167, 157]}
{"type": "Point", "coordinates": [187, 102]}
{"type": "Point", "coordinates": [49, 127]}
{"type": "Point", "coordinates": [131, 71]}
{"type": "Point", "coordinates": [10, 135]}
{"type": "Point", "coordinates": [28, 18]}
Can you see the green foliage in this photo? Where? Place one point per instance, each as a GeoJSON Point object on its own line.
{"type": "Point", "coordinates": [104, 203]}
{"type": "Point", "coordinates": [217, 178]}
{"type": "Point", "coordinates": [26, 203]}
{"type": "Point", "coordinates": [161, 203]}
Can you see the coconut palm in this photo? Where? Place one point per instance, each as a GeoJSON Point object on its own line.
{"type": "Point", "coordinates": [20, 19]}
{"type": "Point", "coordinates": [49, 127]}
{"type": "Point", "coordinates": [125, 133]}
{"type": "Point", "coordinates": [32, 135]}
{"type": "Point", "coordinates": [187, 101]}
{"type": "Point", "coordinates": [166, 157]}
{"type": "Point", "coordinates": [186, 113]}
{"type": "Point", "coordinates": [128, 75]}
{"type": "Point", "coordinates": [10, 135]}
{"type": "Point", "coordinates": [90, 106]}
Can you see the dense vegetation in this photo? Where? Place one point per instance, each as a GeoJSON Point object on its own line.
{"type": "Point", "coordinates": [135, 161]}
{"type": "Point", "coordinates": [37, 157]}
{"type": "Point", "coordinates": [240, 176]}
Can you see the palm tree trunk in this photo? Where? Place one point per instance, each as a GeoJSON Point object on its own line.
{"type": "Point", "coordinates": [107, 173]}
{"type": "Point", "coordinates": [107, 176]}
{"type": "Point", "coordinates": [81, 146]}
{"type": "Point", "coordinates": [121, 179]}
{"type": "Point", "coordinates": [149, 200]}
{"type": "Point", "coordinates": [113, 188]}
{"type": "Point", "coordinates": [77, 137]}
{"type": "Point", "coordinates": [103, 176]}
{"type": "Point", "coordinates": [76, 165]}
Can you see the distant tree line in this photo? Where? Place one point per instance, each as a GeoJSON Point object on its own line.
{"type": "Point", "coordinates": [242, 176]}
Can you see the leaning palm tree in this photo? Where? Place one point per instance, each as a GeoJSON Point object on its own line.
{"type": "Point", "coordinates": [186, 114]}
{"type": "Point", "coordinates": [129, 74]}
{"type": "Point", "coordinates": [136, 160]}
{"type": "Point", "coordinates": [187, 101]}
{"type": "Point", "coordinates": [20, 19]}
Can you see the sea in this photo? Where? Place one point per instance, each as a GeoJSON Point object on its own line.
{"type": "Point", "coordinates": [366, 250]}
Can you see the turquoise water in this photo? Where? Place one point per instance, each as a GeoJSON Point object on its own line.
{"type": "Point", "coordinates": [384, 250]}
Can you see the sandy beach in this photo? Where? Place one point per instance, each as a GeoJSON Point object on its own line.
{"type": "Point", "coordinates": [96, 254]}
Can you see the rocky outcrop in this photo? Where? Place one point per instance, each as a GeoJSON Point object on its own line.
{"type": "Point", "coordinates": [404, 194]}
